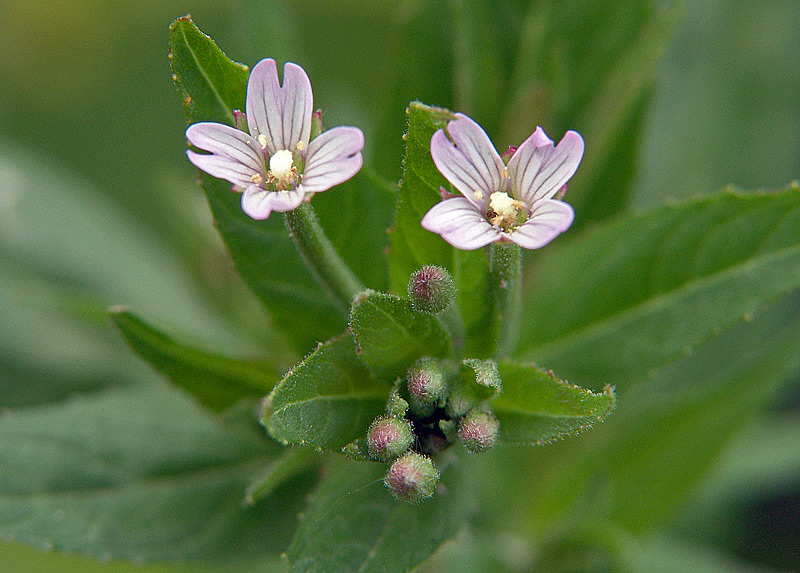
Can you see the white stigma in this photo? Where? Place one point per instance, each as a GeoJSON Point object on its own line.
{"type": "Point", "coordinates": [281, 163]}
{"type": "Point", "coordinates": [503, 205]}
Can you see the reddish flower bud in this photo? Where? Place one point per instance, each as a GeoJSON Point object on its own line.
{"type": "Point", "coordinates": [389, 437]}
{"type": "Point", "coordinates": [431, 289]}
{"type": "Point", "coordinates": [426, 381]}
{"type": "Point", "coordinates": [478, 431]}
{"type": "Point", "coordinates": [412, 478]}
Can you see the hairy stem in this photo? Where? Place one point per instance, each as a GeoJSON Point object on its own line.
{"type": "Point", "coordinates": [320, 256]}
{"type": "Point", "coordinates": [505, 270]}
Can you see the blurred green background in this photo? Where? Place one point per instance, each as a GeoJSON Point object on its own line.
{"type": "Point", "coordinates": [87, 104]}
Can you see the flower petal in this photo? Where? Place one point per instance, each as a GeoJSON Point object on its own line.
{"type": "Point", "coordinates": [332, 158]}
{"type": "Point", "coordinates": [550, 218]}
{"type": "Point", "coordinates": [460, 224]}
{"type": "Point", "coordinates": [470, 162]}
{"type": "Point", "coordinates": [258, 203]}
{"type": "Point", "coordinates": [281, 114]}
{"type": "Point", "coordinates": [224, 140]}
{"type": "Point", "coordinates": [538, 169]}
{"type": "Point", "coordinates": [224, 168]}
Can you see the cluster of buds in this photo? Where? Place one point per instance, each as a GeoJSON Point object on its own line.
{"type": "Point", "coordinates": [437, 404]}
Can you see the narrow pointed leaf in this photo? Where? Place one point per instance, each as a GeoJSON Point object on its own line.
{"type": "Point", "coordinates": [215, 381]}
{"type": "Point", "coordinates": [413, 247]}
{"type": "Point", "coordinates": [391, 335]}
{"type": "Point", "coordinates": [354, 524]}
{"type": "Point", "coordinates": [704, 400]}
{"type": "Point", "coordinates": [327, 400]}
{"type": "Point", "coordinates": [626, 298]}
{"type": "Point", "coordinates": [536, 407]}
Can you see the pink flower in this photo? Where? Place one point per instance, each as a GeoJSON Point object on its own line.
{"type": "Point", "coordinates": [498, 202]}
{"type": "Point", "coordinates": [276, 165]}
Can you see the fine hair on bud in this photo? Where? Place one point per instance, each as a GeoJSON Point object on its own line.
{"type": "Point", "coordinates": [389, 437]}
{"type": "Point", "coordinates": [431, 289]}
{"type": "Point", "coordinates": [426, 381]}
{"type": "Point", "coordinates": [478, 431]}
{"type": "Point", "coordinates": [412, 478]}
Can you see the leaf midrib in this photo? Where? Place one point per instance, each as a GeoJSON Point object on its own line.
{"type": "Point", "coordinates": [331, 398]}
{"type": "Point", "coordinates": [231, 468]}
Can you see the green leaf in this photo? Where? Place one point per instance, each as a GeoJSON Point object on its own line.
{"type": "Point", "coordinates": [354, 524]}
{"type": "Point", "coordinates": [215, 381]}
{"type": "Point", "coordinates": [413, 247]}
{"type": "Point", "coordinates": [703, 401]}
{"type": "Point", "coordinates": [215, 85]}
{"type": "Point", "coordinates": [391, 335]}
{"type": "Point", "coordinates": [536, 407]}
{"type": "Point", "coordinates": [667, 433]}
{"type": "Point", "coordinates": [66, 253]}
{"type": "Point", "coordinates": [354, 213]}
{"type": "Point", "coordinates": [355, 216]}
{"type": "Point", "coordinates": [290, 463]}
{"type": "Point", "coordinates": [620, 301]}
{"type": "Point", "coordinates": [137, 474]}
{"type": "Point", "coordinates": [589, 66]}
{"type": "Point", "coordinates": [210, 84]}
{"type": "Point", "coordinates": [327, 400]}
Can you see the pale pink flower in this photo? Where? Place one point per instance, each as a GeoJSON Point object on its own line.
{"type": "Point", "coordinates": [275, 166]}
{"type": "Point", "coordinates": [500, 202]}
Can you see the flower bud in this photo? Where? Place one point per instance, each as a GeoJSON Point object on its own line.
{"type": "Point", "coordinates": [412, 478]}
{"type": "Point", "coordinates": [478, 431]}
{"type": "Point", "coordinates": [426, 381]}
{"type": "Point", "coordinates": [389, 437]}
{"type": "Point", "coordinates": [431, 289]}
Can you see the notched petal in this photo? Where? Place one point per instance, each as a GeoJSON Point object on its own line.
{"type": "Point", "coordinates": [332, 158]}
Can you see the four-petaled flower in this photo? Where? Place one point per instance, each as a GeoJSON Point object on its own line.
{"type": "Point", "coordinates": [501, 202]}
{"type": "Point", "coordinates": [276, 165]}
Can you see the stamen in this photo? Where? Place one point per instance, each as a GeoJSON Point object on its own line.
{"type": "Point", "coordinates": [262, 141]}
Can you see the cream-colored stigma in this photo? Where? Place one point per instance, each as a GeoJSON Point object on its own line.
{"type": "Point", "coordinates": [506, 210]}
{"type": "Point", "coordinates": [502, 204]}
{"type": "Point", "coordinates": [281, 164]}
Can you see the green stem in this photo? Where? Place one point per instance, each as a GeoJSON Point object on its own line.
{"type": "Point", "coordinates": [321, 257]}
{"type": "Point", "coordinates": [505, 270]}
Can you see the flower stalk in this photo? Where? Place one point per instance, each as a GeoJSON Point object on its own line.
{"type": "Point", "coordinates": [505, 275]}
{"type": "Point", "coordinates": [321, 257]}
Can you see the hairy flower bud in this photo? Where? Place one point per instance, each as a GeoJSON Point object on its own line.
{"type": "Point", "coordinates": [478, 431]}
{"type": "Point", "coordinates": [412, 478]}
{"type": "Point", "coordinates": [426, 381]}
{"type": "Point", "coordinates": [389, 437]}
{"type": "Point", "coordinates": [431, 289]}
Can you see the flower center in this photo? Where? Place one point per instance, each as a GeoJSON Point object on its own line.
{"type": "Point", "coordinates": [283, 174]}
{"type": "Point", "coordinates": [505, 212]}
